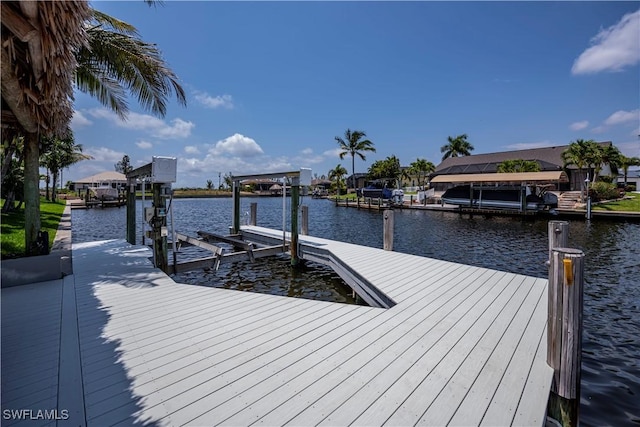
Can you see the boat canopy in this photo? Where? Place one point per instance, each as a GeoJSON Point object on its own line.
{"type": "Point", "coordinates": [559, 176]}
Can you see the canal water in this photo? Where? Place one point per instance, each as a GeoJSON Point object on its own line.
{"type": "Point", "coordinates": [611, 340]}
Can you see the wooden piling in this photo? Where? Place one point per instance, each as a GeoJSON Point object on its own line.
{"type": "Point", "coordinates": [305, 220]}
{"type": "Point", "coordinates": [160, 248]}
{"type": "Point", "coordinates": [564, 333]}
{"type": "Point", "coordinates": [131, 211]}
{"type": "Point", "coordinates": [388, 230]}
{"type": "Point", "coordinates": [558, 236]}
{"type": "Point", "coordinates": [253, 217]}
{"type": "Point", "coordinates": [295, 202]}
{"type": "Point", "coordinates": [235, 226]}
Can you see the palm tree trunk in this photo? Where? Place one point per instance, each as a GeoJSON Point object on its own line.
{"type": "Point", "coordinates": [31, 192]}
{"type": "Point", "coordinates": [53, 186]}
{"type": "Point", "coordinates": [6, 161]}
{"type": "Point", "coordinates": [353, 172]}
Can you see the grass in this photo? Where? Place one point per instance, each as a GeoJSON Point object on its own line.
{"type": "Point", "coordinates": [12, 227]}
{"type": "Point", "coordinates": [631, 203]}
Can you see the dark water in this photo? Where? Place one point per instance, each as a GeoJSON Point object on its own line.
{"type": "Point", "coordinates": [611, 341]}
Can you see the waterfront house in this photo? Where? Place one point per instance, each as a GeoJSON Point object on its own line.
{"type": "Point", "coordinates": [109, 178]}
{"type": "Point", "coordinates": [549, 159]}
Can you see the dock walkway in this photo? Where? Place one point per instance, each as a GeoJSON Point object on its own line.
{"type": "Point", "coordinates": [459, 345]}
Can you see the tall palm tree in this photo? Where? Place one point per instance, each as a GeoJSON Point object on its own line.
{"type": "Point", "coordinates": [422, 168]}
{"type": "Point", "coordinates": [626, 163]}
{"type": "Point", "coordinates": [336, 175]}
{"type": "Point", "coordinates": [609, 155]}
{"type": "Point", "coordinates": [59, 154]}
{"type": "Point", "coordinates": [117, 60]}
{"type": "Point", "coordinates": [353, 144]}
{"type": "Point", "coordinates": [458, 146]}
{"type": "Point", "coordinates": [581, 154]}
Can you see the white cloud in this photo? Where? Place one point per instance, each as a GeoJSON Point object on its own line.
{"type": "Point", "coordinates": [307, 151]}
{"type": "Point", "coordinates": [224, 101]}
{"type": "Point", "coordinates": [145, 145]}
{"type": "Point", "coordinates": [334, 152]}
{"type": "Point", "coordinates": [237, 145]}
{"type": "Point", "coordinates": [104, 154]}
{"type": "Point", "coordinates": [579, 125]}
{"type": "Point", "coordinates": [79, 120]}
{"type": "Point", "coordinates": [191, 149]}
{"type": "Point", "coordinates": [613, 48]}
{"type": "Point", "coordinates": [623, 117]}
{"type": "Point", "coordinates": [529, 145]}
{"type": "Point", "coordinates": [599, 129]}
{"type": "Point", "coordinates": [178, 129]}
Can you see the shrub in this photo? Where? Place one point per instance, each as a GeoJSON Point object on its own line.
{"type": "Point", "coordinates": [603, 191]}
{"type": "Point", "coordinates": [607, 178]}
{"type": "Point", "coordinates": [630, 188]}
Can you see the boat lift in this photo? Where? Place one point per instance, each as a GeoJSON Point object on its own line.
{"type": "Point", "coordinates": [156, 216]}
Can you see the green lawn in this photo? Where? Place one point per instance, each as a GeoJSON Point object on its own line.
{"type": "Point", "coordinates": [12, 227]}
{"type": "Point", "coordinates": [629, 205]}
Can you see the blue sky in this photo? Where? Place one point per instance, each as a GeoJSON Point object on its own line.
{"type": "Point", "coordinates": [269, 85]}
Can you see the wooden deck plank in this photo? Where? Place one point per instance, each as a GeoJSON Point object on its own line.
{"type": "Point", "coordinates": [462, 345]}
{"type": "Point", "coordinates": [29, 374]}
{"type": "Point", "coordinates": [505, 400]}
{"type": "Point", "coordinates": [486, 365]}
{"type": "Point", "coordinates": [206, 344]}
{"type": "Point", "coordinates": [429, 372]}
{"type": "Point", "coordinates": [355, 355]}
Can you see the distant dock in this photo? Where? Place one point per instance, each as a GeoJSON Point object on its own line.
{"type": "Point", "coordinates": [119, 342]}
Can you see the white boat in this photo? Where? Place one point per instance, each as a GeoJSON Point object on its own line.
{"type": "Point", "coordinates": [104, 192]}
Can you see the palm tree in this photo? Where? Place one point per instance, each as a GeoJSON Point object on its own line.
{"type": "Point", "coordinates": [353, 145]}
{"type": "Point", "coordinates": [458, 146]}
{"type": "Point", "coordinates": [580, 153]}
{"type": "Point", "coordinates": [609, 155]}
{"type": "Point", "coordinates": [422, 168]}
{"type": "Point", "coordinates": [518, 165]}
{"type": "Point", "coordinates": [59, 154]}
{"type": "Point", "coordinates": [117, 60]}
{"type": "Point", "coordinates": [336, 175]}
{"type": "Point", "coordinates": [626, 163]}
{"type": "Point", "coordinates": [388, 169]}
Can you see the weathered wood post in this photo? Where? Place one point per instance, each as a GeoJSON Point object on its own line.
{"type": "Point", "coordinates": [295, 203]}
{"type": "Point", "coordinates": [160, 248]}
{"type": "Point", "coordinates": [131, 210]}
{"type": "Point", "coordinates": [235, 226]}
{"type": "Point", "coordinates": [558, 236]}
{"type": "Point", "coordinates": [564, 333]}
{"type": "Point", "coordinates": [305, 220]}
{"type": "Point", "coordinates": [253, 217]}
{"type": "Point", "coordinates": [388, 230]}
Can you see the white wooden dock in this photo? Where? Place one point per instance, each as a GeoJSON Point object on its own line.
{"type": "Point", "coordinates": [459, 345]}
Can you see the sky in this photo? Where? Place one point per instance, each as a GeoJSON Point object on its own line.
{"type": "Point", "coordinates": [271, 84]}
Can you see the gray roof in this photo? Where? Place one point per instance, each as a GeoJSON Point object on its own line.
{"type": "Point", "coordinates": [549, 158]}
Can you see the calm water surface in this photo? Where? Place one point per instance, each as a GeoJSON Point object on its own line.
{"type": "Point", "coordinates": [611, 347]}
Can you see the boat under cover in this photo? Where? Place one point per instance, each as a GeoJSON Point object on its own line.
{"type": "Point", "coordinates": [494, 197]}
